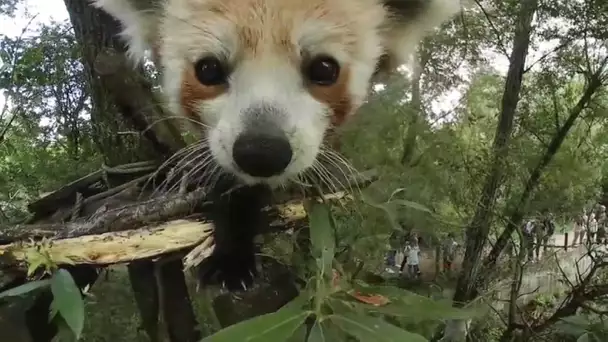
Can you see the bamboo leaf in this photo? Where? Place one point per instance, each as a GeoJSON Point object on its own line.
{"type": "Point", "coordinates": [68, 301]}
{"type": "Point", "coordinates": [373, 329]}
{"type": "Point", "coordinates": [25, 288]}
{"type": "Point", "coordinates": [276, 327]}
{"type": "Point", "coordinates": [414, 307]}
{"type": "Point", "coordinates": [322, 236]}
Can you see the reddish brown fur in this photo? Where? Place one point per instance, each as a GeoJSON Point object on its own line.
{"type": "Point", "coordinates": [335, 96]}
{"type": "Point", "coordinates": [268, 26]}
{"type": "Point", "coordinates": [193, 92]}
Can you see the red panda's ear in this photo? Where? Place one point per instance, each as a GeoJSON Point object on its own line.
{"type": "Point", "coordinates": [139, 21]}
{"type": "Point", "coordinates": [408, 23]}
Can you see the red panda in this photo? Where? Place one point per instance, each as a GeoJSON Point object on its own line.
{"type": "Point", "coordinates": [263, 81]}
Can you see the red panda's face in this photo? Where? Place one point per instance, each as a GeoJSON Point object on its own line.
{"type": "Point", "coordinates": [266, 79]}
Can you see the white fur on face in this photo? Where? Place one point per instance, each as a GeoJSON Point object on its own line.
{"type": "Point", "coordinates": [269, 77]}
{"type": "Point", "coordinates": [276, 85]}
{"type": "Point", "coordinates": [251, 36]}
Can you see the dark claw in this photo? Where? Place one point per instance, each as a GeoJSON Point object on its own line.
{"type": "Point", "coordinates": [237, 217]}
{"type": "Point", "coordinates": [235, 271]}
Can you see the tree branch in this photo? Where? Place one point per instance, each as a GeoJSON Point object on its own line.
{"type": "Point", "coordinates": [534, 179]}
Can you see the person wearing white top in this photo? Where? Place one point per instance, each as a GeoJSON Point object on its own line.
{"type": "Point", "coordinates": [412, 251]}
{"type": "Point", "coordinates": [592, 228]}
{"type": "Point", "coordinates": [579, 229]}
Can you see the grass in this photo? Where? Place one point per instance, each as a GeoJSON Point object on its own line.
{"type": "Point", "coordinates": [112, 316]}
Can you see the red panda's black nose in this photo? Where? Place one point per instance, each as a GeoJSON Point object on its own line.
{"type": "Point", "coordinates": [262, 154]}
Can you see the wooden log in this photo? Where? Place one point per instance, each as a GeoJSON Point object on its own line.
{"type": "Point", "coordinates": [142, 243]}
{"type": "Point", "coordinates": [119, 247]}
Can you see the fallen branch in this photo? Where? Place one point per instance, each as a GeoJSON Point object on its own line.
{"type": "Point", "coordinates": [131, 216]}
{"type": "Point", "coordinates": [125, 245]}
{"type": "Point", "coordinates": [119, 247]}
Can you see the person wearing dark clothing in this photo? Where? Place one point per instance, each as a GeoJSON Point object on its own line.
{"type": "Point", "coordinates": [547, 230]}
{"type": "Point", "coordinates": [449, 247]}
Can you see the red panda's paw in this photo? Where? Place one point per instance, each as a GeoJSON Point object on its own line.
{"type": "Point", "coordinates": [235, 271]}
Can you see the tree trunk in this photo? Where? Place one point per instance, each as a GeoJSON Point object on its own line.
{"type": "Point", "coordinates": [515, 219]}
{"type": "Point", "coordinates": [123, 102]}
{"type": "Point", "coordinates": [416, 110]}
{"type": "Point", "coordinates": [478, 230]}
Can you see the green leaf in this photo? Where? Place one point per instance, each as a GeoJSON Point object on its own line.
{"type": "Point", "coordinates": [317, 334]}
{"type": "Point", "coordinates": [339, 306]}
{"type": "Point", "coordinates": [34, 265]}
{"type": "Point", "coordinates": [576, 320]}
{"type": "Point", "coordinates": [412, 205]}
{"type": "Point", "coordinates": [276, 327]}
{"type": "Point", "coordinates": [325, 331]}
{"type": "Point", "coordinates": [25, 288]}
{"type": "Point", "coordinates": [389, 210]}
{"type": "Point", "coordinates": [36, 259]}
{"type": "Point", "coordinates": [573, 325]}
{"type": "Point", "coordinates": [414, 307]}
{"type": "Point", "coordinates": [64, 332]}
{"type": "Point", "coordinates": [68, 300]}
{"type": "Point", "coordinates": [322, 234]}
{"type": "Point", "coordinates": [299, 303]}
{"type": "Point", "coordinates": [583, 338]}
{"type": "Point", "coordinates": [323, 245]}
{"type": "Point", "coordinates": [373, 329]}
{"type": "Point", "coordinates": [299, 335]}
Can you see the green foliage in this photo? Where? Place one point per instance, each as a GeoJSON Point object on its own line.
{"type": "Point", "coordinates": [25, 288]}
{"type": "Point", "coordinates": [333, 306]}
{"type": "Point", "coordinates": [67, 306]}
{"type": "Point", "coordinates": [67, 301]}
{"type": "Point", "coordinates": [585, 328]}
{"type": "Point", "coordinates": [45, 134]}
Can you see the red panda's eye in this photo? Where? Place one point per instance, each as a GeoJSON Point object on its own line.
{"type": "Point", "coordinates": [323, 70]}
{"type": "Point", "coordinates": [210, 71]}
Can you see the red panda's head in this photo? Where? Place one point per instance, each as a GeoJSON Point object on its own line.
{"type": "Point", "coordinates": [268, 78]}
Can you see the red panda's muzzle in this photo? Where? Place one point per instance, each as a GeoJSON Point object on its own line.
{"type": "Point", "coordinates": [262, 154]}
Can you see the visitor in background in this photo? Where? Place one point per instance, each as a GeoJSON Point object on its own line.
{"type": "Point", "coordinates": [411, 236]}
{"type": "Point", "coordinates": [579, 229]}
{"type": "Point", "coordinates": [591, 229]}
{"type": "Point", "coordinates": [390, 260]}
{"type": "Point", "coordinates": [412, 253]}
{"type": "Point", "coordinates": [391, 255]}
{"type": "Point", "coordinates": [549, 230]}
{"type": "Point", "coordinates": [449, 252]}
{"type": "Point", "coordinates": [528, 231]}
{"type": "Point", "coordinates": [601, 225]}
